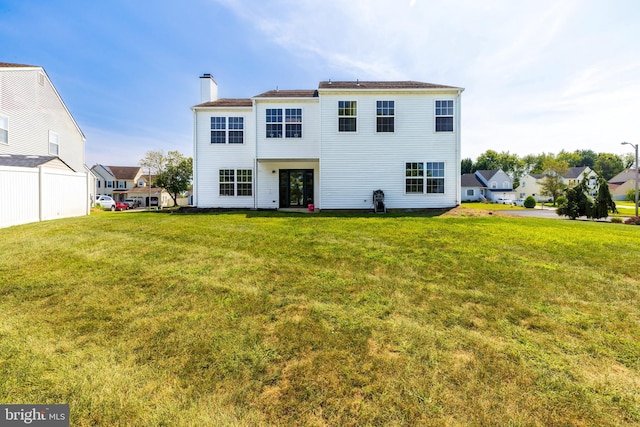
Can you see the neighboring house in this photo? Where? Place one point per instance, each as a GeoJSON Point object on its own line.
{"type": "Point", "coordinates": [38, 131]}
{"type": "Point", "coordinates": [620, 184]}
{"type": "Point", "coordinates": [129, 182]}
{"type": "Point", "coordinates": [497, 184]}
{"type": "Point", "coordinates": [531, 184]}
{"type": "Point", "coordinates": [329, 147]}
{"type": "Point", "coordinates": [472, 189]}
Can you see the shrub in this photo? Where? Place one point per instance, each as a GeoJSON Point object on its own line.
{"type": "Point", "coordinates": [616, 220]}
{"type": "Point", "coordinates": [631, 195]}
{"type": "Point", "coordinates": [634, 220]}
{"type": "Point", "coordinates": [530, 202]}
{"type": "Point", "coordinates": [561, 200]}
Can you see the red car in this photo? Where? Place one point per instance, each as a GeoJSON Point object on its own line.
{"type": "Point", "coordinates": [121, 206]}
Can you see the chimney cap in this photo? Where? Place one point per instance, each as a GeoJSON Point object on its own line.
{"type": "Point", "coordinates": [206, 76]}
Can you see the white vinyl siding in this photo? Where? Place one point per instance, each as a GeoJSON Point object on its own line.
{"type": "Point", "coordinates": [354, 165]}
{"type": "Point", "coordinates": [29, 127]}
{"type": "Point", "coordinates": [4, 129]}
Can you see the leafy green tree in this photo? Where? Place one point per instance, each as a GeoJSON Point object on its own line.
{"type": "Point", "coordinates": [603, 203]}
{"type": "Point", "coordinates": [577, 202]}
{"type": "Point", "coordinates": [608, 165]}
{"type": "Point", "coordinates": [534, 163]}
{"type": "Point", "coordinates": [552, 184]}
{"type": "Point", "coordinates": [572, 159]}
{"type": "Point", "coordinates": [466, 166]}
{"type": "Point", "coordinates": [587, 158]}
{"type": "Point", "coordinates": [173, 172]}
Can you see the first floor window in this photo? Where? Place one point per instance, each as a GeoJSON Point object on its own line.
{"type": "Point", "coordinates": [236, 182]}
{"type": "Point", "coordinates": [435, 177]}
{"type": "Point", "coordinates": [218, 130]}
{"type": "Point", "coordinates": [227, 182]}
{"type": "Point", "coordinates": [444, 115]}
{"type": "Point", "coordinates": [245, 182]}
{"type": "Point", "coordinates": [421, 177]}
{"type": "Point", "coordinates": [4, 129]}
{"type": "Point", "coordinates": [54, 143]}
{"type": "Point", "coordinates": [414, 181]}
{"type": "Point", "coordinates": [471, 192]}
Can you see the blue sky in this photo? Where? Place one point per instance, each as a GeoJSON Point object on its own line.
{"type": "Point", "coordinates": [540, 76]}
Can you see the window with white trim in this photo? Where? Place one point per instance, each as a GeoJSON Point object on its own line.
{"type": "Point", "coordinates": [236, 182]}
{"type": "Point", "coordinates": [274, 122]}
{"type": "Point", "coordinates": [245, 182]}
{"type": "Point", "coordinates": [385, 116]}
{"type": "Point", "coordinates": [435, 177]}
{"type": "Point", "coordinates": [4, 129]}
{"type": "Point", "coordinates": [424, 177]}
{"type": "Point", "coordinates": [54, 143]}
{"type": "Point", "coordinates": [218, 130]}
{"type": "Point", "coordinates": [236, 130]}
{"type": "Point", "coordinates": [227, 130]}
{"type": "Point", "coordinates": [414, 177]}
{"type": "Point", "coordinates": [444, 115]}
{"type": "Point", "coordinates": [227, 182]}
{"type": "Point", "coordinates": [471, 192]}
{"type": "Point", "coordinates": [293, 122]}
{"type": "Point", "coordinates": [347, 116]}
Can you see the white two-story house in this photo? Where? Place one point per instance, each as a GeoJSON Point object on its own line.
{"type": "Point", "coordinates": [329, 147]}
{"type": "Point", "coordinates": [42, 150]}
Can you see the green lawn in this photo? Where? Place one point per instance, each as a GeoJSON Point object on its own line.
{"type": "Point", "coordinates": [254, 318]}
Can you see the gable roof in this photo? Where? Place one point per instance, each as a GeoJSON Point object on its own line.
{"type": "Point", "coordinates": [28, 161]}
{"type": "Point", "coordinates": [382, 85]}
{"type": "Point", "coordinates": [289, 94]}
{"type": "Point", "coordinates": [471, 180]}
{"type": "Point", "coordinates": [10, 65]}
{"type": "Point", "coordinates": [574, 172]}
{"type": "Point", "coordinates": [624, 176]}
{"type": "Point", "coordinates": [124, 172]}
{"type": "Point", "coordinates": [227, 102]}
{"type": "Point", "coordinates": [488, 174]}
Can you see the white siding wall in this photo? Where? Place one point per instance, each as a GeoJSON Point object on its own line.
{"type": "Point", "coordinates": [33, 194]}
{"type": "Point", "coordinates": [33, 110]}
{"type": "Point", "coordinates": [307, 147]}
{"type": "Point", "coordinates": [353, 165]}
{"type": "Point", "coordinates": [210, 158]}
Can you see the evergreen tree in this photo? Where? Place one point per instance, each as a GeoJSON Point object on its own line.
{"type": "Point", "coordinates": [603, 203]}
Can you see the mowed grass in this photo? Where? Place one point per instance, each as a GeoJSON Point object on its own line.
{"type": "Point", "coordinates": [253, 318]}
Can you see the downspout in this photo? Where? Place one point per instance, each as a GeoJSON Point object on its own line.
{"type": "Point", "coordinates": [195, 158]}
{"type": "Point", "coordinates": [459, 149]}
{"type": "Point", "coordinates": [255, 155]}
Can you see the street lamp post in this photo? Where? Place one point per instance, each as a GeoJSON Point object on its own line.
{"type": "Point", "coordinates": [635, 146]}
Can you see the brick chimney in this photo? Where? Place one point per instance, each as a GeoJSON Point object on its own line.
{"type": "Point", "coordinates": [208, 88]}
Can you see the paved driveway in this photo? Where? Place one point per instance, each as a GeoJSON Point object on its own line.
{"type": "Point", "coordinates": [546, 212]}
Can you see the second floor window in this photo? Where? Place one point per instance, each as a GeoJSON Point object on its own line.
{"type": "Point", "coordinates": [218, 130]}
{"type": "Point", "coordinates": [385, 116]}
{"type": "Point", "coordinates": [274, 122]}
{"type": "Point", "coordinates": [4, 129]}
{"type": "Point", "coordinates": [227, 130]}
{"type": "Point", "coordinates": [54, 143]}
{"type": "Point", "coordinates": [347, 116]}
{"type": "Point", "coordinates": [444, 115]}
{"type": "Point", "coordinates": [293, 122]}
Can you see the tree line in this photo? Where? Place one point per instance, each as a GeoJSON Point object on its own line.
{"type": "Point", "coordinates": [606, 165]}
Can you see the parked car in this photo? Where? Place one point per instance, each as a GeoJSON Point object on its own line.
{"type": "Point", "coordinates": [132, 203]}
{"type": "Point", "coordinates": [504, 201]}
{"type": "Point", "coordinates": [121, 206]}
{"type": "Point", "coordinates": [519, 202]}
{"type": "Point", "coordinates": [106, 202]}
